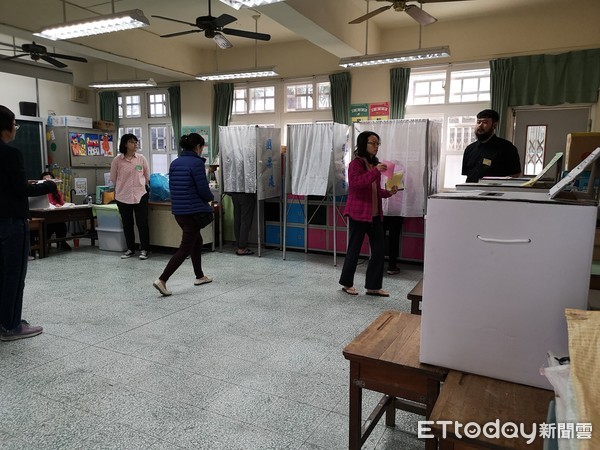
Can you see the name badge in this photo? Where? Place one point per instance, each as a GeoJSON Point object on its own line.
{"type": "Point", "coordinates": [487, 162]}
{"type": "Point", "coordinates": [138, 168]}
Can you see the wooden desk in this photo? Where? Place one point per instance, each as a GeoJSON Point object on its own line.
{"type": "Point", "coordinates": [66, 214]}
{"type": "Point", "coordinates": [472, 398]}
{"type": "Point", "coordinates": [385, 358]}
{"type": "Point", "coordinates": [416, 296]}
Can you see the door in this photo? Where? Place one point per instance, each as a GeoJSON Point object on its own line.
{"type": "Point", "coordinates": [555, 124]}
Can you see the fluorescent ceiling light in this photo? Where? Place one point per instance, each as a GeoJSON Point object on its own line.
{"type": "Point", "coordinates": [237, 4]}
{"type": "Point", "coordinates": [122, 84]}
{"type": "Point", "coordinates": [397, 57]}
{"type": "Point", "coordinates": [238, 74]}
{"type": "Point", "coordinates": [125, 20]}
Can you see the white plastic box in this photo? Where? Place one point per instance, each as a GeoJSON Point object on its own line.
{"type": "Point", "coordinates": [111, 240]}
{"type": "Point", "coordinates": [108, 217]}
{"type": "Point", "coordinates": [70, 121]}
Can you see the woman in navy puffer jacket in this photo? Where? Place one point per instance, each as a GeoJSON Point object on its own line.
{"type": "Point", "coordinates": [190, 197]}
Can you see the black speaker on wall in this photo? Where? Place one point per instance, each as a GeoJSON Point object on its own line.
{"type": "Point", "coordinates": [28, 109]}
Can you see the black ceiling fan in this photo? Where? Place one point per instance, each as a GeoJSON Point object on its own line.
{"type": "Point", "coordinates": [37, 52]}
{"type": "Point", "coordinates": [401, 5]}
{"type": "Point", "coordinates": [213, 28]}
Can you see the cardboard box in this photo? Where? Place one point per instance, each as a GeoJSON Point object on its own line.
{"type": "Point", "coordinates": [104, 125]}
{"type": "Point", "coordinates": [70, 121]}
{"type": "Point", "coordinates": [579, 147]}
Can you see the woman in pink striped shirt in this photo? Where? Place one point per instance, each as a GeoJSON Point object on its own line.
{"type": "Point", "coordinates": [130, 174]}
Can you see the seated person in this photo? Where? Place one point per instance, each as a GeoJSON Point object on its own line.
{"type": "Point", "coordinates": [60, 229]}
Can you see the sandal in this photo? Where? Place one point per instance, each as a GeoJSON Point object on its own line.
{"type": "Point", "coordinates": [246, 251]}
{"type": "Point", "coordinates": [350, 290]}
{"type": "Point", "coordinates": [379, 293]}
{"type": "Point", "coordinates": [203, 280]}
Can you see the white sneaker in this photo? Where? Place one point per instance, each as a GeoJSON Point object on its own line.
{"type": "Point", "coordinates": [127, 254]}
{"type": "Point", "coordinates": [162, 287]}
{"type": "Point", "coordinates": [143, 254]}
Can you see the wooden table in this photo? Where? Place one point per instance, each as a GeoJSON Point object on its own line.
{"type": "Point", "coordinates": [416, 296]}
{"type": "Point", "coordinates": [468, 398]}
{"type": "Point", "coordinates": [385, 358]}
{"type": "Point", "coordinates": [66, 214]}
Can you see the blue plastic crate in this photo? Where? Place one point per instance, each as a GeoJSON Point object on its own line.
{"type": "Point", "coordinates": [272, 235]}
{"type": "Point", "coordinates": [295, 213]}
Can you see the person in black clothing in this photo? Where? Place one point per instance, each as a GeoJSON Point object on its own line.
{"type": "Point", "coordinates": [14, 231]}
{"type": "Point", "coordinates": [489, 156]}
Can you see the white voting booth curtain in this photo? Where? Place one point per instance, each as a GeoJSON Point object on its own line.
{"type": "Point", "coordinates": [413, 146]}
{"type": "Point", "coordinates": [317, 157]}
{"type": "Point", "coordinates": [251, 160]}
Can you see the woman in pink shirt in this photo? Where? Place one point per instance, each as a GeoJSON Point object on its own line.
{"type": "Point", "coordinates": [363, 209]}
{"type": "Point", "coordinates": [130, 174]}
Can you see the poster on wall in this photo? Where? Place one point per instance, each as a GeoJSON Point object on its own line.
{"type": "Point", "coordinates": [359, 112]}
{"type": "Point", "coordinates": [77, 144]}
{"type": "Point", "coordinates": [204, 131]}
{"type": "Point", "coordinates": [379, 111]}
{"type": "Point", "coordinates": [106, 145]}
{"type": "Point", "coordinates": [92, 144]}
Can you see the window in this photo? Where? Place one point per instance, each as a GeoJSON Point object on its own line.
{"type": "Point", "coordinates": [310, 99]}
{"type": "Point", "coordinates": [426, 89]}
{"type": "Point", "coordinates": [301, 97]}
{"type": "Point", "coordinates": [262, 99]}
{"type": "Point", "coordinates": [130, 106]}
{"type": "Point", "coordinates": [535, 149]}
{"type": "Point", "coordinates": [452, 96]}
{"type": "Point", "coordinates": [470, 86]}
{"type": "Point", "coordinates": [146, 115]}
{"type": "Point", "coordinates": [240, 101]}
{"type": "Point", "coordinates": [158, 105]}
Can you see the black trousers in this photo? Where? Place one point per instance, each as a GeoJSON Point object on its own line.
{"type": "Point", "coordinates": [14, 249]}
{"type": "Point", "coordinates": [191, 244]}
{"type": "Point", "coordinates": [244, 204]}
{"type": "Point", "coordinates": [140, 210]}
{"type": "Point", "coordinates": [393, 226]}
{"type": "Point", "coordinates": [374, 276]}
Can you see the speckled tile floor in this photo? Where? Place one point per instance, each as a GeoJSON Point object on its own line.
{"type": "Point", "coordinates": [250, 361]}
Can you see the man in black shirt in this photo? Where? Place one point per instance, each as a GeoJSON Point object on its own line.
{"type": "Point", "coordinates": [14, 231]}
{"type": "Point", "coordinates": [489, 156]}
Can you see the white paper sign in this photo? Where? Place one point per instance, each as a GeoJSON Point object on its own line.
{"type": "Point", "coordinates": [80, 186]}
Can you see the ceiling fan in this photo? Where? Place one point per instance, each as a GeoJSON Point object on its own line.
{"type": "Point", "coordinates": [401, 5]}
{"type": "Point", "coordinates": [37, 52]}
{"type": "Point", "coordinates": [213, 28]}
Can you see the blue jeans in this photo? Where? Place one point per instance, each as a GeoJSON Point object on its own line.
{"type": "Point", "coordinates": [14, 249]}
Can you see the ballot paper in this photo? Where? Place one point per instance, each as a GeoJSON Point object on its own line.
{"type": "Point", "coordinates": [396, 180]}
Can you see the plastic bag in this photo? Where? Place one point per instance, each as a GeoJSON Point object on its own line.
{"type": "Point", "coordinates": [159, 187]}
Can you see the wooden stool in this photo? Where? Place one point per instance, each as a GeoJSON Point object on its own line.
{"type": "Point", "coordinates": [37, 237]}
{"type": "Point", "coordinates": [416, 296]}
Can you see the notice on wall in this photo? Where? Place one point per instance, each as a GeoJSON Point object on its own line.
{"type": "Point", "coordinates": [204, 131]}
{"type": "Point", "coordinates": [80, 185]}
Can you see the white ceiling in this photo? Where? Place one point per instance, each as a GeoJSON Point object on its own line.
{"type": "Point", "coordinates": [313, 20]}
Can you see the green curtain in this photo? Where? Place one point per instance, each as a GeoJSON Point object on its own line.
{"type": "Point", "coordinates": [109, 107]}
{"type": "Point", "coordinates": [175, 106]}
{"type": "Point", "coordinates": [340, 97]}
{"type": "Point", "coordinates": [572, 77]}
{"type": "Point", "coordinates": [399, 83]}
{"type": "Point", "coordinates": [221, 113]}
{"type": "Point", "coordinates": [500, 77]}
